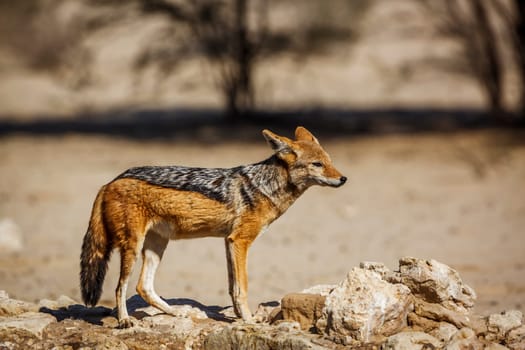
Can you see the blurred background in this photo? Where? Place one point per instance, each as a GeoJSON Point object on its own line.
{"type": "Point", "coordinates": [421, 104]}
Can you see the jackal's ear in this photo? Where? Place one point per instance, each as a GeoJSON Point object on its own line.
{"type": "Point", "coordinates": [279, 144]}
{"type": "Point", "coordinates": [301, 134]}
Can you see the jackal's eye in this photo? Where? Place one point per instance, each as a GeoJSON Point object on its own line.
{"type": "Point", "coordinates": [317, 164]}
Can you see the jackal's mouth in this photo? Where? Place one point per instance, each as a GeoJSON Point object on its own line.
{"type": "Point", "coordinates": [332, 182]}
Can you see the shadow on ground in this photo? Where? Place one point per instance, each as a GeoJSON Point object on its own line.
{"type": "Point", "coordinates": [211, 126]}
{"type": "Point", "coordinates": [95, 315]}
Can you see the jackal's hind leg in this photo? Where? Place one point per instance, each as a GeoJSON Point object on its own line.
{"type": "Point", "coordinates": [154, 246]}
{"type": "Point", "coordinates": [128, 256]}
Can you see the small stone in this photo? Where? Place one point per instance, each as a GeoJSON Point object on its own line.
{"type": "Point", "coordinates": [445, 332]}
{"type": "Point", "coordinates": [516, 338]}
{"type": "Point", "coordinates": [411, 341]}
{"type": "Point", "coordinates": [500, 324]}
{"type": "Point", "coordinates": [465, 338]}
{"type": "Point", "coordinates": [305, 309]}
{"type": "Point", "coordinates": [289, 326]}
{"type": "Point", "coordinates": [265, 312]}
{"type": "Point", "coordinates": [11, 307]}
{"type": "Point", "coordinates": [10, 237]}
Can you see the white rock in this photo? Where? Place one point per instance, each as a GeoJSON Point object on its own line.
{"type": "Point", "coordinates": [444, 332]}
{"type": "Point", "coordinates": [364, 307]}
{"type": "Point", "coordinates": [465, 338]}
{"type": "Point", "coordinates": [10, 237]}
{"type": "Point", "coordinates": [411, 341]}
{"type": "Point", "coordinates": [62, 301]}
{"type": "Point", "coordinates": [516, 338]}
{"type": "Point", "coordinates": [34, 322]}
{"type": "Point", "coordinates": [11, 307]}
{"type": "Point", "coordinates": [435, 282]}
{"type": "Point", "coordinates": [321, 289]}
{"type": "Point", "coordinates": [378, 267]}
{"type": "Point", "coordinates": [500, 324]}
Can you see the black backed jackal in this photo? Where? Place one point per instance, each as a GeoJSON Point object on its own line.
{"type": "Point", "coordinates": [145, 207]}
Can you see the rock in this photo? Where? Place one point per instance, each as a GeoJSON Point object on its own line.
{"type": "Point", "coordinates": [261, 337]}
{"type": "Point", "coordinates": [12, 307]}
{"type": "Point", "coordinates": [439, 313]}
{"type": "Point", "coordinates": [267, 312]}
{"type": "Point", "coordinates": [495, 346]}
{"type": "Point", "coordinates": [62, 302]}
{"type": "Point", "coordinates": [287, 326]}
{"type": "Point", "coordinates": [178, 325]}
{"type": "Point", "coordinates": [420, 323]}
{"type": "Point", "coordinates": [500, 324]}
{"type": "Point", "coordinates": [321, 289]}
{"type": "Point", "coordinates": [478, 324]}
{"type": "Point", "coordinates": [303, 308]}
{"type": "Point", "coordinates": [365, 307]}
{"type": "Point", "coordinates": [15, 338]}
{"type": "Point", "coordinates": [435, 282]}
{"type": "Point", "coordinates": [10, 237]}
{"type": "Point", "coordinates": [33, 322]}
{"type": "Point", "coordinates": [411, 341]}
{"type": "Point", "coordinates": [78, 334]}
{"type": "Point", "coordinates": [445, 332]}
{"type": "Point", "coordinates": [516, 338]}
{"type": "Point", "coordinates": [378, 267]}
{"type": "Point", "coordinates": [465, 338]}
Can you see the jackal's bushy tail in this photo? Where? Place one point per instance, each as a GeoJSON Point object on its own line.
{"type": "Point", "coordinates": [96, 251]}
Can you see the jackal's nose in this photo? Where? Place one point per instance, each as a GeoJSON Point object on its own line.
{"type": "Point", "coordinates": [342, 179]}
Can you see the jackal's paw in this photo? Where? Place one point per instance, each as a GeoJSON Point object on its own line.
{"type": "Point", "coordinates": [175, 312]}
{"type": "Point", "coordinates": [125, 323]}
{"type": "Point", "coordinates": [248, 319]}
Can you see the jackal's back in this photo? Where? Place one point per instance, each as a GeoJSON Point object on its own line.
{"type": "Point", "coordinates": [214, 183]}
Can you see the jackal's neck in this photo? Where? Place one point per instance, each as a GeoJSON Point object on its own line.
{"type": "Point", "coordinates": [272, 179]}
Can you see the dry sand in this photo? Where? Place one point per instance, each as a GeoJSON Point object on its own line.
{"type": "Point", "coordinates": [458, 198]}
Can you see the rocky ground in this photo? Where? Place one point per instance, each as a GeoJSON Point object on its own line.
{"type": "Point", "coordinates": [424, 304]}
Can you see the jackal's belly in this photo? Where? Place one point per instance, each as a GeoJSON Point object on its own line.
{"type": "Point", "coordinates": [187, 228]}
{"type": "Point", "coordinates": [186, 214]}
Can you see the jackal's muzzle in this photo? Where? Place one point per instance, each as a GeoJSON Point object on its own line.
{"type": "Point", "coordinates": [333, 182]}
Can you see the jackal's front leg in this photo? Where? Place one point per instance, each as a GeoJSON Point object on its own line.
{"type": "Point", "coordinates": [236, 253]}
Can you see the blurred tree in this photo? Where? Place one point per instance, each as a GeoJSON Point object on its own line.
{"type": "Point", "coordinates": [232, 36]}
{"type": "Point", "coordinates": [486, 30]}
{"type": "Point", "coordinates": [513, 15]}
{"type": "Point", "coordinates": [235, 35]}
{"type": "Point", "coordinates": [223, 34]}
{"type": "Point", "coordinates": [45, 40]}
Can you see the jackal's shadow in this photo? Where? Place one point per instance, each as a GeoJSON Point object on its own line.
{"type": "Point", "coordinates": [137, 308]}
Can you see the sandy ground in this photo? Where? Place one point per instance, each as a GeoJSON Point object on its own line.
{"type": "Point", "coordinates": [457, 198]}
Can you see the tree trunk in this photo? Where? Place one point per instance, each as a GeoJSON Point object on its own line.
{"type": "Point", "coordinates": [491, 72]}
{"type": "Point", "coordinates": [519, 48]}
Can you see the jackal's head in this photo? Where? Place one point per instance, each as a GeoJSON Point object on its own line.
{"type": "Point", "coordinates": [307, 162]}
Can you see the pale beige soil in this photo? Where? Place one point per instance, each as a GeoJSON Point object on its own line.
{"type": "Point", "coordinates": [458, 198]}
